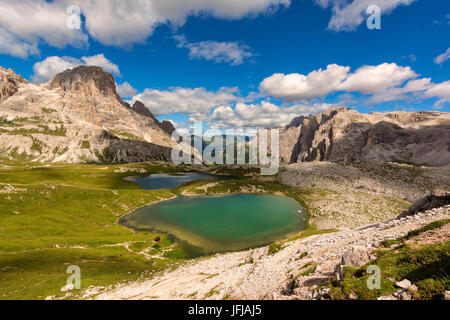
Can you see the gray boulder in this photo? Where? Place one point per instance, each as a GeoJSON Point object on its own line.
{"type": "Point", "coordinates": [427, 203]}
{"type": "Point", "coordinates": [354, 257]}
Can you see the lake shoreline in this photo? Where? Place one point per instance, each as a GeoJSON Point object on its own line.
{"type": "Point", "coordinates": [200, 240]}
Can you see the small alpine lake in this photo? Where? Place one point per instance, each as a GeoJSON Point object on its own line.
{"type": "Point", "coordinates": [218, 223]}
{"type": "Point", "coordinates": [169, 181]}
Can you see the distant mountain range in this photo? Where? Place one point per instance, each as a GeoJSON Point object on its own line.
{"type": "Point", "coordinates": [79, 117]}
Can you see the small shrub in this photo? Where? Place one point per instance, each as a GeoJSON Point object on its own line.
{"type": "Point", "coordinates": [85, 144]}
{"type": "Point", "coordinates": [309, 271]}
{"type": "Point", "coordinates": [304, 254]}
{"type": "Point", "coordinates": [274, 247]}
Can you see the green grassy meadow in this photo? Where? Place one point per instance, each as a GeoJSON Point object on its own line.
{"type": "Point", "coordinates": [55, 216]}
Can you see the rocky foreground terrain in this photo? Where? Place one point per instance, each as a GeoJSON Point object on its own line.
{"type": "Point", "coordinates": [77, 117]}
{"type": "Point", "coordinates": [357, 194]}
{"type": "Point", "coordinates": [286, 274]}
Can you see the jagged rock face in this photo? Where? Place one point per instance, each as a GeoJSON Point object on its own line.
{"type": "Point", "coordinates": [140, 108]}
{"type": "Point", "coordinates": [427, 203]}
{"type": "Point", "coordinates": [166, 126]}
{"type": "Point", "coordinates": [340, 134]}
{"type": "Point", "coordinates": [86, 81]}
{"type": "Point", "coordinates": [83, 80]}
{"type": "Point", "coordinates": [9, 83]}
{"type": "Point", "coordinates": [78, 117]}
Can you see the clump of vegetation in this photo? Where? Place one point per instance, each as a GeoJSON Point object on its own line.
{"type": "Point", "coordinates": [390, 242]}
{"type": "Point", "coordinates": [274, 247]}
{"type": "Point", "coordinates": [309, 271]}
{"type": "Point", "coordinates": [138, 246]}
{"type": "Point", "coordinates": [41, 129]}
{"type": "Point", "coordinates": [85, 144]}
{"type": "Point", "coordinates": [431, 226]}
{"type": "Point", "coordinates": [212, 292]}
{"type": "Point", "coordinates": [14, 154]}
{"type": "Point", "coordinates": [37, 145]}
{"type": "Point", "coordinates": [48, 110]}
{"type": "Point", "coordinates": [58, 151]}
{"type": "Point", "coordinates": [4, 122]}
{"type": "Point", "coordinates": [126, 135]}
{"type": "Point", "coordinates": [304, 254]}
{"type": "Point", "coordinates": [106, 156]}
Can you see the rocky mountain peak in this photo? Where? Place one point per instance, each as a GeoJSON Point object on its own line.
{"type": "Point", "coordinates": [321, 118]}
{"type": "Point", "coordinates": [10, 83]}
{"type": "Point", "coordinates": [140, 108]}
{"type": "Point", "coordinates": [167, 126]}
{"type": "Point", "coordinates": [76, 117]}
{"type": "Point", "coordinates": [85, 80]}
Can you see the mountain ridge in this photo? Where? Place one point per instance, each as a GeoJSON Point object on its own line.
{"type": "Point", "coordinates": [342, 134]}
{"type": "Point", "coordinates": [76, 117]}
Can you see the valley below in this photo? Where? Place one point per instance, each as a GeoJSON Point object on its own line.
{"type": "Point", "coordinates": [57, 215]}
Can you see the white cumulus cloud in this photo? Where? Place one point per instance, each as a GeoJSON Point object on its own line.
{"type": "Point", "coordinates": [442, 57]}
{"type": "Point", "coordinates": [24, 24]}
{"type": "Point", "coordinates": [100, 61]}
{"type": "Point", "coordinates": [196, 101]}
{"type": "Point", "coordinates": [15, 47]}
{"type": "Point", "coordinates": [375, 79]}
{"type": "Point", "coordinates": [439, 90]}
{"type": "Point", "coordinates": [319, 83]}
{"type": "Point", "coordinates": [296, 86]}
{"type": "Point", "coordinates": [125, 90]}
{"type": "Point", "coordinates": [46, 69]}
{"type": "Point", "coordinates": [349, 14]}
{"type": "Point", "coordinates": [234, 53]}
{"type": "Point", "coordinates": [111, 22]}
{"type": "Point", "coordinates": [261, 115]}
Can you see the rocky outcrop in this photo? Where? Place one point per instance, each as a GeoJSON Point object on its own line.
{"type": "Point", "coordinates": [77, 117]}
{"type": "Point", "coordinates": [427, 203]}
{"type": "Point", "coordinates": [140, 108]}
{"type": "Point", "coordinates": [166, 126]}
{"type": "Point", "coordinates": [354, 257]}
{"type": "Point", "coordinates": [9, 83]}
{"type": "Point", "coordinates": [86, 81]}
{"type": "Point", "coordinates": [343, 135]}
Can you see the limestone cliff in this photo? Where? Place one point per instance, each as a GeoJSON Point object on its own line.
{"type": "Point", "coordinates": [9, 83]}
{"type": "Point", "coordinates": [76, 117]}
{"type": "Point", "coordinates": [341, 135]}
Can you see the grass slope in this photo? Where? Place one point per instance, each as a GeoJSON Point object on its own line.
{"type": "Point", "coordinates": [55, 216]}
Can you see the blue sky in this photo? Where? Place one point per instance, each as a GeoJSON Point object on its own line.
{"type": "Point", "coordinates": [232, 63]}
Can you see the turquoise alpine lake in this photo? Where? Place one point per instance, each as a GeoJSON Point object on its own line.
{"type": "Point", "coordinates": [169, 181]}
{"type": "Point", "coordinates": [224, 222]}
